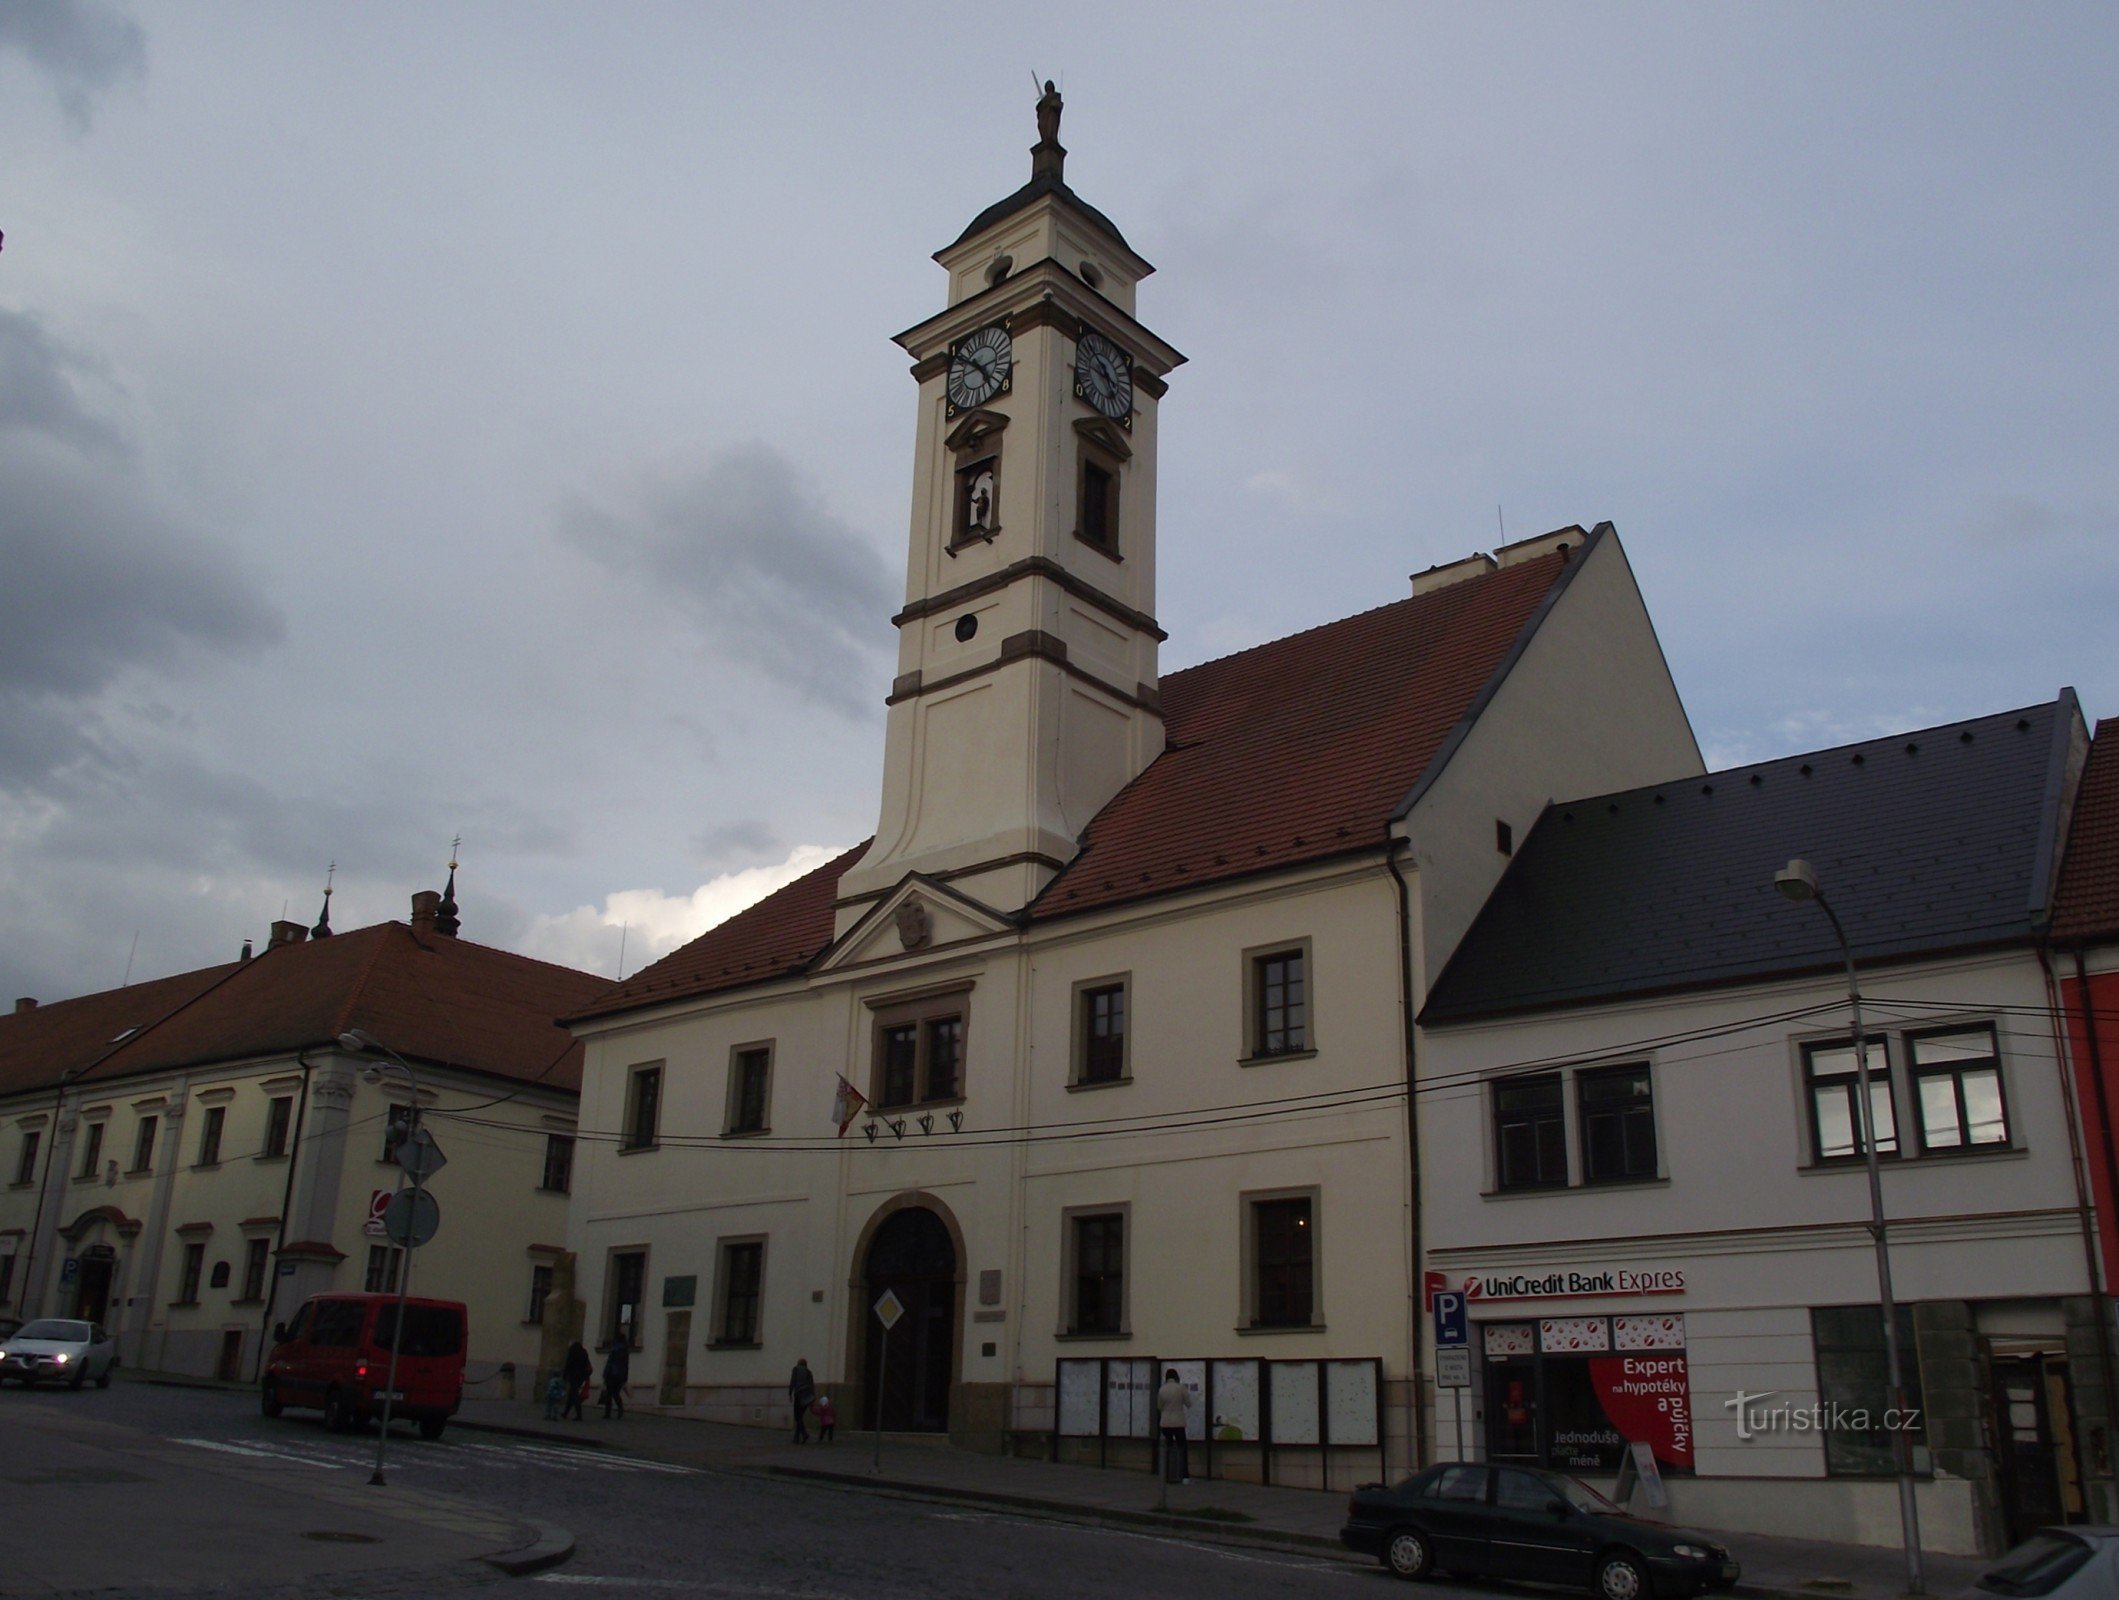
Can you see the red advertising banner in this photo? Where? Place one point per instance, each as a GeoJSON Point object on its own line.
{"type": "Point", "coordinates": [1649, 1398]}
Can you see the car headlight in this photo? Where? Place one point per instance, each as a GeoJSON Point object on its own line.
{"type": "Point", "coordinates": [1691, 1552]}
{"type": "Point", "coordinates": [60, 1358]}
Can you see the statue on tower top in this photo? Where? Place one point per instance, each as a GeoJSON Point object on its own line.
{"type": "Point", "coordinates": [1048, 155]}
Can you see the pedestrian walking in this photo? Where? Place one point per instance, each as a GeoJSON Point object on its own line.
{"type": "Point", "coordinates": [577, 1370]}
{"type": "Point", "coordinates": [1172, 1401]}
{"type": "Point", "coordinates": [617, 1368]}
{"type": "Point", "coordinates": [801, 1391]}
{"type": "Point", "coordinates": [555, 1393]}
{"type": "Point", "coordinates": [827, 1418]}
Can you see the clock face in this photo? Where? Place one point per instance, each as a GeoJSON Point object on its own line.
{"type": "Point", "coordinates": [1103, 375]}
{"type": "Point", "coordinates": [981, 365]}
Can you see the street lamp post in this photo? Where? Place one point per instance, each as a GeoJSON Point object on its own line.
{"type": "Point", "coordinates": [1798, 881]}
{"type": "Point", "coordinates": [361, 1043]}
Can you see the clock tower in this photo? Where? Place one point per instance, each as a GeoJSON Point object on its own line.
{"type": "Point", "coordinates": [1025, 696]}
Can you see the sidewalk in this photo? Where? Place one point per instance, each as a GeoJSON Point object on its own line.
{"type": "Point", "coordinates": [1219, 1512]}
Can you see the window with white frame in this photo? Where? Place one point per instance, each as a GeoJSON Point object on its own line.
{"type": "Point", "coordinates": [1279, 982]}
{"type": "Point", "coordinates": [1616, 1109]}
{"type": "Point", "coordinates": [1957, 1089]}
{"type": "Point", "coordinates": [1100, 1032]}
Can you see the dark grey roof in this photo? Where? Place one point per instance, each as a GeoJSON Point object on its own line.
{"type": "Point", "coordinates": [1924, 843]}
{"type": "Point", "coordinates": [1043, 183]}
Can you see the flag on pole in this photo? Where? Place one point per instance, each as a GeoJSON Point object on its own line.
{"type": "Point", "coordinates": [846, 1105]}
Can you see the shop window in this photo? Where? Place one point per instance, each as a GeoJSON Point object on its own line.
{"type": "Point", "coordinates": [210, 1135]}
{"type": "Point", "coordinates": [1616, 1109]}
{"type": "Point", "coordinates": [558, 1163]}
{"type": "Point", "coordinates": [257, 1262]}
{"type": "Point", "coordinates": [1279, 1002]}
{"type": "Point", "coordinates": [1831, 1079]}
{"type": "Point", "coordinates": [622, 1306]}
{"type": "Point", "coordinates": [1957, 1090]}
{"type": "Point", "coordinates": [739, 1292]}
{"type": "Point", "coordinates": [91, 1149]}
{"type": "Point", "coordinates": [1100, 1033]}
{"type": "Point", "coordinates": [540, 1292]}
{"type": "Point", "coordinates": [919, 1053]}
{"type": "Point", "coordinates": [750, 1089]}
{"type": "Point", "coordinates": [1530, 1132]}
{"type": "Point", "coordinates": [643, 1108]}
{"type": "Point", "coordinates": [189, 1275]}
{"type": "Point", "coordinates": [1283, 1262]}
{"type": "Point", "coordinates": [143, 1144]}
{"type": "Point", "coordinates": [26, 1163]}
{"type": "Point", "coordinates": [1858, 1418]}
{"type": "Point", "coordinates": [1572, 1393]}
{"type": "Point", "coordinates": [1097, 1272]}
{"type": "Point", "coordinates": [279, 1122]}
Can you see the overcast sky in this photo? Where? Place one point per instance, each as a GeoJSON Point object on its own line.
{"type": "Point", "coordinates": [452, 418]}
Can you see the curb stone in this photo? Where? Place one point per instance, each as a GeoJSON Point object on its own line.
{"type": "Point", "coordinates": [550, 1546]}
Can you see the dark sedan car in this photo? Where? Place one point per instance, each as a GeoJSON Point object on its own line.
{"type": "Point", "coordinates": [1479, 1521]}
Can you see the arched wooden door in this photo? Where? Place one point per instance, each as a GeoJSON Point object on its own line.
{"type": "Point", "coordinates": [913, 1257]}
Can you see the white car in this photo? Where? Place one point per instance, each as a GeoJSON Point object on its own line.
{"type": "Point", "coordinates": [2055, 1564]}
{"type": "Point", "coordinates": [59, 1350]}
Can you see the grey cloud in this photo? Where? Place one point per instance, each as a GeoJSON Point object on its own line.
{"type": "Point", "coordinates": [748, 837]}
{"type": "Point", "coordinates": [750, 549]}
{"type": "Point", "coordinates": [82, 46]}
{"type": "Point", "coordinates": [37, 395]}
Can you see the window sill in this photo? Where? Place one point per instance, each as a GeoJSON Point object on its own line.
{"type": "Point", "coordinates": [1528, 1191]}
{"type": "Point", "coordinates": [1100, 1083]}
{"type": "Point", "coordinates": [734, 1344]}
{"type": "Point", "coordinates": [532, 1322]}
{"type": "Point", "coordinates": [270, 1155]}
{"type": "Point", "coordinates": [745, 1133]}
{"type": "Point", "coordinates": [1941, 1158]}
{"type": "Point", "coordinates": [916, 1105]}
{"type": "Point", "coordinates": [545, 1188]}
{"type": "Point", "coordinates": [1072, 1336]}
{"type": "Point", "coordinates": [1277, 1055]}
{"type": "Point", "coordinates": [639, 1149]}
{"type": "Point", "coordinates": [1599, 1186]}
{"type": "Point", "coordinates": [1102, 549]}
{"type": "Point", "coordinates": [176, 1305]}
{"type": "Point", "coordinates": [24, 1183]}
{"type": "Point", "coordinates": [249, 1300]}
{"type": "Point", "coordinates": [1292, 1327]}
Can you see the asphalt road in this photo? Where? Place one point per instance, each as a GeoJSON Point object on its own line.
{"type": "Point", "coordinates": [211, 1497]}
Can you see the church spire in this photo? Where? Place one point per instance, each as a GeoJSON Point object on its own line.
{"type": "Point", "coordinates": [445, 919]}
{"type": "Point", "coordinates": [322, 930]}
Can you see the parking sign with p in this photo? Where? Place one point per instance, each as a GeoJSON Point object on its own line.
{"type": "Point", "coordinates": [1449, 1317]}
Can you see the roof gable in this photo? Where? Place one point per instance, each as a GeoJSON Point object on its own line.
{"type": "Point", "coordinates": [2087, 905]}
{"type": "Point", "coordinates": [1927, 843]}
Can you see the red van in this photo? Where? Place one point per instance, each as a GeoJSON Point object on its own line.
{"type": "Point", "coordinates": [335, 1356]}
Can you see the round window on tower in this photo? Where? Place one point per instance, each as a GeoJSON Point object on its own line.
{"type": "Point", "coordinates": [966, 626]}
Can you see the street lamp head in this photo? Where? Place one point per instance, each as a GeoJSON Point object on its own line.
{"type": "Point", "coordinates": [1797, 880]}
{"type": "Point", "coordinates": [371, 1075]}
{"type": "Point", "coordinates": [358, 1042]}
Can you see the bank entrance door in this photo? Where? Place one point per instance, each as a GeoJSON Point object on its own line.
{"type": "Point", "coordinates": [911, 1255]}
{"type": "Point", "coordinates": [2034, 1443]}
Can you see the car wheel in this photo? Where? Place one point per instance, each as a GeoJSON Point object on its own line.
{"type": "Point", "coordinates": [269, 1399]}
{"type": "Point", "coordinates": [430, 1427]}
{"type": "Point", "coordinates": [103, 1379]}
{"type": "Point", "coordinates": [338, 1412]}
{"type": "Point", "coordinates": [80, 1377]}
{"type": "Point", "coordinates": [1407, 1554]}
{"type": "Point", "coordinates": [1620, 1576]}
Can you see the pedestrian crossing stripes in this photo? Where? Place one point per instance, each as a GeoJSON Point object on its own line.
{"type": "Point", "coordinates": [455, 1455]}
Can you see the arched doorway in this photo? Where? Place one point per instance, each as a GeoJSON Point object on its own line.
{"type": "Point", "coordinates": [913, 1256]}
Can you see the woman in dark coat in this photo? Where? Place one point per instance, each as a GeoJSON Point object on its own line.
{"type": "Point", "coordinates": [577, 1371]}
{"type": "Point", "coordinates": [617, 1368]}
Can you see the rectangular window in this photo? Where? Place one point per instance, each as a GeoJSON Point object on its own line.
{"type": "Point", "coordinates": [91, 1149]}
{"type": "Point", "coordinates": [558, 1165]}
{"type": "Point", "coordinates": [1103, 1034]}
{"type": "Point", "coordinates": [210, 1135]}
{"type": "Point", "coordinates": [383, 1262]}
{"type": "Point", "coordinates": [26, 1167]}
{"type": "Point", "coordinates": [1530, 1132]}
{"type": "Point", "coordinates": [1099, 1274]}
{"type": "Point", "coordinates": [279, 1122]}
{"type": "Point", "coordinates": [397, 1128]}
{"type": "Point", "coordinates": [540, 1292]}
{"type": "Point", "coordinates": [621, 1306]}
{"type": "Point", "coordinates": [143, 1144]}
{"type": "Point", "coordinates": [1283, 1252]}
{"type": "Point", "coordinates": [643, 1109]}
{"type": "Point", "coordinates": [919, 1054]}
{"type": "Point", "coordinates": [1831, 1081]}
{"type": "Point", "coordinates": [1853, 1389]}
{"type": "Point", "coordinates": [1616, 1106]}
{"type": "Point", "coordinates": [750, 1082]}
{"type": "Point", "coordinates": [193, 1270]}
{"type": "Point", "coordinates": [742, 1278]}
{"type": "Point", "coordinates": [1099, 507]}
{"type": "Point", "coordinates": [1280, 1009]}
{"type": "Point", "coordinates": [257, 1260]}
{"type": "Point", "coordinates": [1957, 1088]}
{"type": "Point", "coordinates": [7, 1277]}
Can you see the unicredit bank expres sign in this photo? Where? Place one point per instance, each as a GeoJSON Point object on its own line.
{"type": "Point", "coordinates": [1564, 1283]}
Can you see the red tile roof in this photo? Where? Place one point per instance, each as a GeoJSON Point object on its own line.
{"type": "Point", "coordinates": [1292, 752]}
{"type": "Point", "coordinates": [435, 1000]}
{"type": "Point", "coordinates": [2087, 904]}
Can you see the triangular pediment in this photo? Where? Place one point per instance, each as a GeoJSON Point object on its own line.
{"type": "Point", "coordinates": [920, 915]}
{"type": "Point", "coordinates": [974, 428]}
{"type": "Point", "coordinates": [1105, 437]}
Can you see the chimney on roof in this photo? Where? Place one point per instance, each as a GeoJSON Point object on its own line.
{"type": "Point", "coordinates": [1476, 565]}
{"type": "Point", "coordinates": [284, 932]}
{"type": "Point", "coordinates": [245, 956]}
{"type": "Point", "coordinates": [426, 905]}
{"type": "Point", "coordinates": [26, 1002]}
